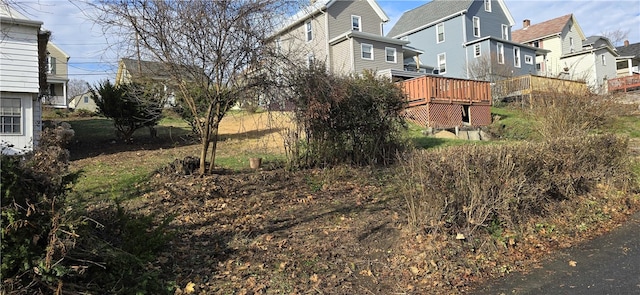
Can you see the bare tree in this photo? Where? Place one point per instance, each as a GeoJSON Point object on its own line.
{"type": "Point", "coordinates": [210, 48]}
{"type": "Point", "coordinates": [616, 36]}
{"type": "Point", "coordinates": [76, 87]}
{"type": "Point", "coordinates": [487, 68]}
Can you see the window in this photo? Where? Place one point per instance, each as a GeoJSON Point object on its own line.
{"type": "Point", "coordinates": [538, 66]}
{"type": "Point", "coordinates": [51, 65]}
{"type": "Point", "coordinates": [355, 23]}
{"type": "Point", "coordinates": [505, 32]}
{"type": "Point", "coordinates": [500, 53]}
{"type": "Point", "coordinates": [440, 32]}
{"type": "Point", "coordinates": [442, 63]}
{"type": "Point", "coordinates": [390, 54]}
{"type": "Point", "coordinates": [476, 50]}
{"type": "Point", "coordinates": [476, 26]}
{"type": "Point", "coordinates": [603, 59]}
{"type": "Point", "coordinates": [86, 99]}
{"type": "Point", "coordinates": [571, 44]}
{"type": "Point", "coordinates": [310, 59]}
{"type": "Point", "coordinates": [10, 116]}
{"type": "Point", "coordinates": [516, 57]}
{"type": "Point", "coordinates": [535, 44]}
{"type": "Point", "coordinates": [528, 59]}
{"type": "Point", "coordinates": [278, 46]}
{"type": "Point", "coordinates": [52, 90]}
{"type": "Point", "coordinates": [309, 31]}
{"type": "Point", "coordinates": [487, 5]}
{"type": "Point", "coordinates": [367, 51]}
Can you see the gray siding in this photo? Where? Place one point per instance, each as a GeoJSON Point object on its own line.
{"type": "Point", "coordinates": [490, 22]}
{"type": "Point", "coordinates": [569, 32]}
{"type": "Point", "coordinates": [378, 62]}
{"type": "Point", "coordinates": [342, 57]}
{"type": "Point", "coordinates": [340, 14]}
{"type": "Point", "coordinates": [509, 60]}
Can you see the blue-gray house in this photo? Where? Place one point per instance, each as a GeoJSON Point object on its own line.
{"type": "Point", "coordinates": [468, 39]}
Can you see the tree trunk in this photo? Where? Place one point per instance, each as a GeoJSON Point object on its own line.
{"type": "Point", "coordinates": [214, 137]}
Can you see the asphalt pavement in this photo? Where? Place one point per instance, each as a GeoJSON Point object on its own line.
{"type": "Point", "coordinates": [609, 264]}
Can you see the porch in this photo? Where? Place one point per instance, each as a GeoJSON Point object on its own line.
{"type": "Point", "coordinates": [443, 103]}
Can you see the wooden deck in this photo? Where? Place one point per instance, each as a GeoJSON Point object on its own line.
{"type": "Point", "coordinates": [624, 83]}
{"type": "Point", "coordinates": [529, 86]}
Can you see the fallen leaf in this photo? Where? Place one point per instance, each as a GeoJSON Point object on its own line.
{"type": "Point", "coordinates": [189, 288]}
{"type": "Point", "coordinates": [572, 263]}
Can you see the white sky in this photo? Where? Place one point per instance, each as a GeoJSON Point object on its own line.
{"type": "Point", "coordinates": [93, 60]}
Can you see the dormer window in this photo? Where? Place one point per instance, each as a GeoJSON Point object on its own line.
{"type": "Point", "coordinates": [356, 23]}
{"type": "Point", "coordinates": [308, 30]}
{"type": "Point", "coordinates": [487, 5]}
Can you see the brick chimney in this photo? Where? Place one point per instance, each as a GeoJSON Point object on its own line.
{"type": "Point", "coordinates": [626, 43]}
{"type": "Point", "coordinates": [526, 23]}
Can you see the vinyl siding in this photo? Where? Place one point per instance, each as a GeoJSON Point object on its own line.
{"type": "Point", "coordinates": [342, 57]}
{"type": "Point", "coordinates": [340, 14]}
{"type": "Point", "coordinates": [24, 141]}
{"type": "Point", "coordinates": [19, 59]}
{"type": "Point", "coordinates": [567, 33]}
{"type": "Point", "coordinates": [62, 69]}
{"type": "Point", "coordinates": [378, 62]}
{"type": "Point", "coordinates": [490, 22]}
{"type": "Point", "coordinates": [294, 41]}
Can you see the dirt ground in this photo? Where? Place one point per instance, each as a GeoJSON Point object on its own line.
{"type": "Point", "coordinates": [308, 232]}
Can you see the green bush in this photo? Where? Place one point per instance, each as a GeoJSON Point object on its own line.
{"type": "Point", "coordinates": [354, 120]}
{"type": "Point", "coordinates": [469, 187]}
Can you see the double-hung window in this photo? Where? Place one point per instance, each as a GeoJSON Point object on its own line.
{"type": "Point", "coordinates": [442, 63]}
{"type": "Point", "coordinates": [367, 51]}
{"type": "Point", "coordinates": [390, 54]}
{"type": "Point", "coordinates": [528, 59]}
{"type": "Point", "coordinates": [487, 5]}
{"type": "Point", "coordinates": [516, 57]}
{"type": "Point", "coordinates": [10, 116]}
{"type": "Point", "coordinates": [440, 32]}
{"type": "Point", "coordinates": [308, 31]}
{"type": "Point", "coordinates": [603, 58]}
{"type": "Point", "coordinates": [356, 23]}
{"type": "Point", "coordinates": [310, 59]}
{"type": "Point", "coordinates": [476, 26]}
{"type": "Point", "coordinates": [505, 32]}
{"type": "Point", "coordinates": [500, 53]}
{"type": "Point", "coordinates": [476, 50]}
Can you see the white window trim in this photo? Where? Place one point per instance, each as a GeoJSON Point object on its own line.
{"type": "Point", "coordinates": [474, 26]}
{"type": "Point", "coordinates": [308, 31]}
{"type": "Point", "coordinates": [395, 55]}
{"type": "Point", "coordinates": [487, 8]}
{"type": "Point", "coordinates": [603, 59]}
{"type": "Point", "coordinates": [517, 62]}
{"type": "Point", "coordinates": [362, 51]}
{"type": "Point", "coordinates": [359, 23]}
{"type": "Point", "coordinates": [477, 53]}
{"type": "Point", "coordinates": [500, 48]}
{"type": "Point", "coordinates": [530, 58]}
{"type": "Point", "coordinates": [21, 120]}
{"type": "Point", "coordinates": [438, 34]}
{"type": "Point", "coordinates": [310, 58]}
{"type": "Point", "coordinates": [505, 32]}
{"type": "Point", "coordinates": [445, 63]}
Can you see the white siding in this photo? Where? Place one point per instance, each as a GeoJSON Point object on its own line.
{"type": "Point", "coordinates": [19, 59]}
{"type": "Point", "coordinates": [24, 141]}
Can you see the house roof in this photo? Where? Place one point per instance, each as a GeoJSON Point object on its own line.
{"type": "Point", "coordinates": [367, 36]}
{"type": "Point", "coordinates": [434, 12]}
{"type": "Point", "coordinates": [537, 50]}
{"type": "Point", "coordinates": [630, 50]}
{"type": "Point", "coordinates": [143, 68]}
{"type": "Point", "coordinates": [12, 16]}
{"type": "Point", "coordinates": [321, 5]}
{"type": "Point", "coordinates": [544, 29]}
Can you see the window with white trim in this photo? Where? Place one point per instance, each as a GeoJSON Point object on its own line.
{"type": "Point", "coordinates": [571, 44]}
{"type": "Point", "coordinates": [505, 32]}
{"type": "Point", "coordinates": [476, 26]}
{"type": "Point", "coordinates": [516, 57]}
{"type": "Point", "coordinates": [278, 46]}
{"type": "Point", "coordinates": [603, 58]}
{"type": "Point", "coordinates": [476, 50]}
{"type": "Point", "coordinates": [308, 30]}
{"type": "Point", "coordinates": [390, 54]}
{"type": "Point", "coordinates": [51, 65]}
{"type": "Point", "coordinates": [367, 51]}
{"type": "Point", "coordinates": [528, 59]}
{"type": "Point", "coordinates": [86, 99]}
{"type": "Point", "coordinates": [440, 32]}
{"type": "Point", "coordinates": [356, 23]}
{"type": "Point", "coordinates": [310, 59]}
{"type": "Point", "coordinates": [487, 5]}
{"type": "Point", "coordinates": [500, 53]}
{"type": "Point", "coordinates": [442, 63]}
{"type": "Point", "coordinates": [10, 116]}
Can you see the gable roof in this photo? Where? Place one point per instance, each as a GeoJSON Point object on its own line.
{"type": "Point", "coordinates": [629, 50]}
{"type": "Point", "coordinates": [545, 29]}
{"type": "Point", "coordinates": [322, 5]}
{"type": "Point", "coordinates": [434, 12]}
{"type": "Point", "coordinates": [137, 69]}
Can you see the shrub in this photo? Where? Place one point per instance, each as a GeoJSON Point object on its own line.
{"type": "Point", "coordinates": [469, 187]}
{"type": "Point", "coordinates": [354, 120]}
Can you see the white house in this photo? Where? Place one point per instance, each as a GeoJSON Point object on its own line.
{"type": "Point", "coordinates": [20, 112]}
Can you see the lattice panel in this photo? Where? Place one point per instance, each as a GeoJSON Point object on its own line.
{"type": "Point", "coordinates": [480, 115]}
{"type": "Point", "coordinates": [418, 115]}
{"type": "Point", "coordinates": [445, 115]}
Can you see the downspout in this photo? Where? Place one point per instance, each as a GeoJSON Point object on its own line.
{"type": "Point", "coordinates": [327, 36]}
{"type": "Point", "coordinates": [464, 42]}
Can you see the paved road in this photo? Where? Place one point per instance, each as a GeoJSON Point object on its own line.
{"type": "Point", "coordinates": [609, 264]}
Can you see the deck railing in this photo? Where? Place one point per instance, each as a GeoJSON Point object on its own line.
{"type": "Point", "coordinates": [526, 85]}
{"type": "Point", "coordinates": [624, 83]}
{"type": "Point", "coordinates": [425, 89]}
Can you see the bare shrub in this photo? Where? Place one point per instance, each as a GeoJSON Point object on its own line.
{"type": "Point", "coordinates": [462, 189]}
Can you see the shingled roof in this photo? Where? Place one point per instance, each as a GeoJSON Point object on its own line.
{"type": "Point", "coordinates": [426, 14]}
{"type": "Point", "coordinates": [544, 29]}
{"type": "Point", "coordinates": [629, 50]}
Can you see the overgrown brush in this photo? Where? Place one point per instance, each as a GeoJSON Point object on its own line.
{"type": "Point", "coordinates": [462, 189]}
